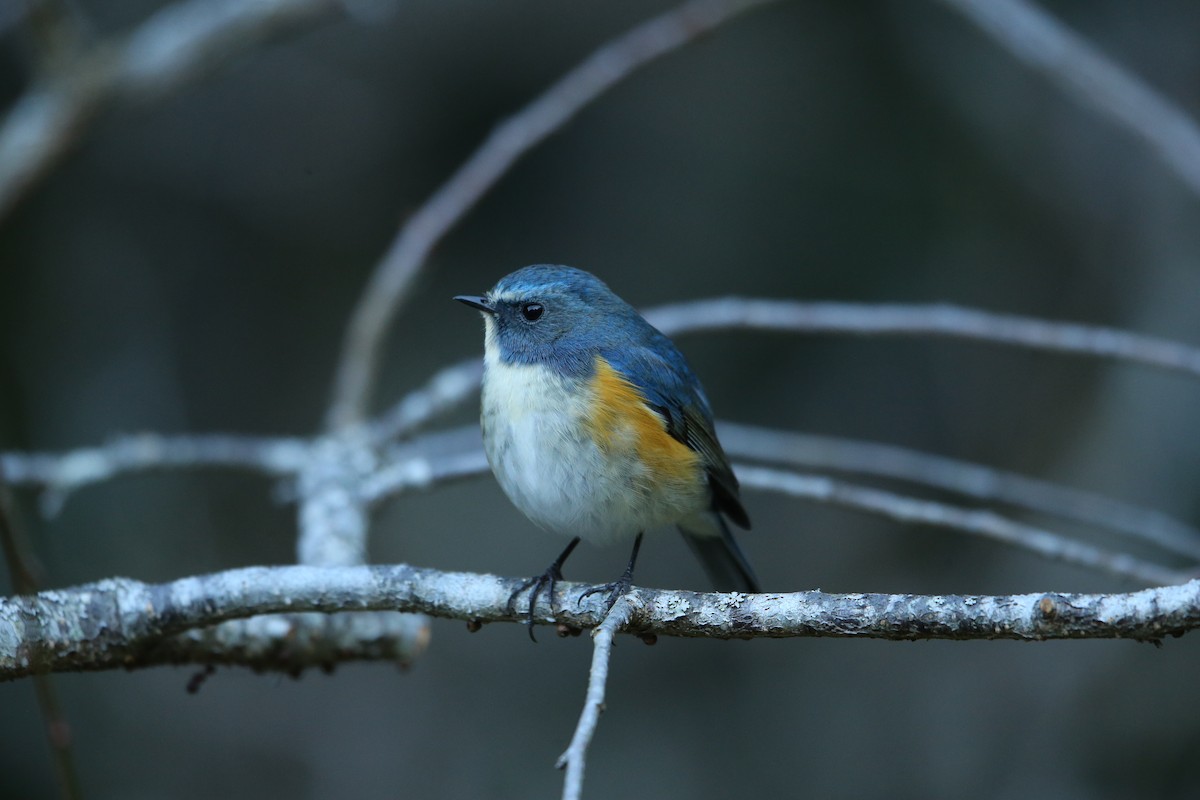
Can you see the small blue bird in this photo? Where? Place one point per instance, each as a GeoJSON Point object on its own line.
{"type": "Point", "coordinates": [596, 428]}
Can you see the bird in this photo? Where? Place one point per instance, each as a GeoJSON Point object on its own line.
{"type": "Point", "coordinates": [596, 428]}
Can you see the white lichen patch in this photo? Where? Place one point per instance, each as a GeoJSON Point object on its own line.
{"type": "Point", "coordinates": [672, 608]}
{"type": "Point", "coordinates": [733, 600]}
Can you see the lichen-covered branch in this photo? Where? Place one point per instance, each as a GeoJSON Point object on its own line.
{"type": "Point", "coordinates": [121, 622]}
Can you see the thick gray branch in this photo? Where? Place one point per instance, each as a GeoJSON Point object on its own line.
{"type": "Point", "coordinates": [123, 623]}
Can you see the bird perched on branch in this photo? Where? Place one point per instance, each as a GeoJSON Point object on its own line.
{"type": "Point", "coordinates": [597, 429]}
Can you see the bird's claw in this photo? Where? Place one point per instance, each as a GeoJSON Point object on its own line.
{"type": "Point", "coordinates": [615, 589]}
{"type": "Point", "coordinates": [536, 585]}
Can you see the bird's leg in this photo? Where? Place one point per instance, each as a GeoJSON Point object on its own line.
{"type": "Point", "coordinates": [622, 584]}
{"type": "Point", "coordinates": [546, 580]}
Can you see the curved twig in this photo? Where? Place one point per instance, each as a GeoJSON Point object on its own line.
{"type": "Point", "coordinates": [62, 473]}
{"type": "Point", "coordinates": [980, 523]}
{"type": "Point", "coordinates": [177, 44]}
{"type": "Point", "coordinates": [1042, 42]}
{"type": "Point", "coordinates": [511, 139]}
{"type": "Point", "coordinates": [926, 320]}
{"type": "Point", "coordinates": [962, 477]}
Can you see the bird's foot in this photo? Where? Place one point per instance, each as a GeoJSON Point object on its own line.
{"type": "Point", "coordinates": [546, 581]}
{"type": "Point", "coordinates": [536, 585]}
{"type": "Point", "coordinates": [614, 589]}
{"type": "Point", "coordinates": [621, 586]}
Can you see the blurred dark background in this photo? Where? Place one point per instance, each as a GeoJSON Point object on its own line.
{"type": "Point", "coordinates": [192, 265]}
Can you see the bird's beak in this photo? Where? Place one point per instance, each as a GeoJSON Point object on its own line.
{"type": "Point", "coordinates": [482, 303]}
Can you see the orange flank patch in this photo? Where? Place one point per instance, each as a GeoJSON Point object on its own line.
{"type": "Point", "coordinates": [622, 422]}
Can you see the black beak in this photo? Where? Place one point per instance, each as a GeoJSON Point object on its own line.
{"type": "Point", "coordinates": [482, 303]}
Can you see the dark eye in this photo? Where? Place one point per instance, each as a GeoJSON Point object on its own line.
{"type": "Point", "coordinates": [532, 312]}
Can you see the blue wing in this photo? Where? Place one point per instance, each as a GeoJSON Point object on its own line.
{"type": "Point", "coordinates": [662, 374]}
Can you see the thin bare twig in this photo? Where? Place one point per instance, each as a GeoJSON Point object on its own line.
{"type": "Point", "coordinates": [60, 474]}
{"type": "Point", "coordinates": [574, 758]}
{"type": "Point", "coordinates": [980, 523]}
{"type": "Point", "coordinates": [926, 320]}
{"type": "Point", "coordinates": [410, 472]}
{"type": "Point", "coordinates": [511, 139]}
{"type": "Point", "coordinates": [963, 477]}
{"type": "Point", "coordinates": [1083, 70]}
{"type": "Point", "coordinates": [23, 568]}
{"type": "Point", "coordinates": [444, 391]}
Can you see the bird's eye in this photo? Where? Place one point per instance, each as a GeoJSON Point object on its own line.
{"type": "Point", "coordinates": [532, 312]}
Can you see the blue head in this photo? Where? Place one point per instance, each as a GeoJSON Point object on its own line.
{"type": "Point", "coordinates": [558, 316]}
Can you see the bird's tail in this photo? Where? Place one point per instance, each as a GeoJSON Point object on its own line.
{"type": "Point", "coordinates": [726, 564]}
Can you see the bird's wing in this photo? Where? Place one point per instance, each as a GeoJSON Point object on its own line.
{"type": "Point", "coordinates": [664, 378]}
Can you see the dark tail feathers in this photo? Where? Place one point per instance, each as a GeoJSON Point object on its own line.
{"type": "Point", "coordinates": [723, 560]}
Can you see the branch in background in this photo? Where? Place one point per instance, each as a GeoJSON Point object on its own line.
{"type": "Point", "coordinates": [980, 523]}
{"type": "Point", "coordinates": [121, 622]}
{"type": "Point", "coordinates": [292, 643]}
{"type": "Point", "coordinates": [926, 320]}
{"type": "Point", "coordinates": [511, 139]}
{"type": "Point", "coordinates": [337, 486]}
{"type": "Point", "coordinates": [177, 45]}
{"type": "Point", "coordinates": [422, 471]}
{"type": "Point", "coordinates": [406, 473]}
{"type": "Point", "coordinates": [62, 473]}
{"type": "Point", "coordinates": [448, 388]}
{"type": "Point", "coordinates": [1042, 42]}
{"type": "Point", "coordinates": [455, 383]}
{"type": "Point", "coordinates": [974, 480]}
